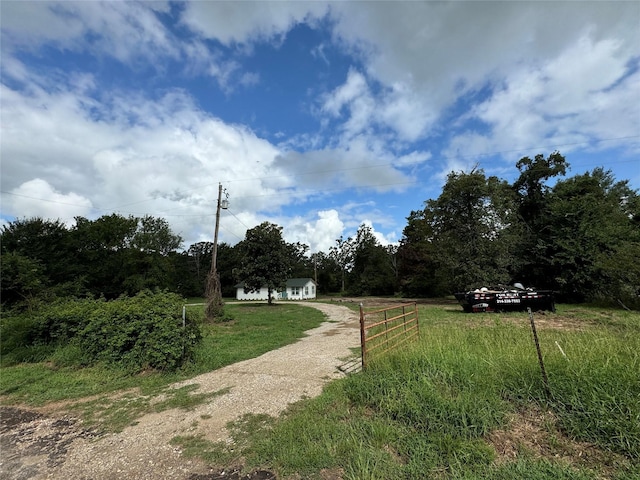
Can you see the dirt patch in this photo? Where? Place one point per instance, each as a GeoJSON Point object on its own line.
{"type": "Point", "coordinates": [234, 474]}
{"type": "Point", "coordinates": [29, 439]}
{"type": "Point", "coordinates": [536, 433]}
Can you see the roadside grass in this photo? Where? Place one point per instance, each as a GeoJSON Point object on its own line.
{"type": "Point", "coordinates": [253, 329]}
{"type": "Point", "coordinates": [449, 405]}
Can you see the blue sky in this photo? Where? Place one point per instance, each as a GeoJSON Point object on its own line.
{"type": "Point", "coordinates": [316, 116]}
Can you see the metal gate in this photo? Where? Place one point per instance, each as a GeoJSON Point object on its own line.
{"type": "Point", "coordinates": [386, 329]}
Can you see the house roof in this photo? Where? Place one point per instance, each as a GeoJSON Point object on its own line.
{"type": "Point", "coordinates": [299, 282]}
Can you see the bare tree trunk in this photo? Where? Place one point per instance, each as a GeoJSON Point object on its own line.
{"type": "Point", "coordinates": [214, 297]}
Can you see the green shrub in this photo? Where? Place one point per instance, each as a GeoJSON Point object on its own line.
{"type": "Point", "coordinates": [60, 321]}
{"type": "Point", "coordinates": [140, 332]}
{"type": "Point", "coordinates": [137, 333]}
{"type": "Point", "coordinates": [31, 336]}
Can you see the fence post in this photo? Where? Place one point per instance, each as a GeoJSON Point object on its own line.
{"type": "Point", "coordinates": [545, 380]}
{"type": "Point", "coordinates": [363, 347]}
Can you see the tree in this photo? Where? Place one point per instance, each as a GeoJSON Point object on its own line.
{"type": "Point", "coordinates": [327, 272]}
{"type": "Point", "coordinates": [416, 257]}
{"type": "Point", "coordinates": [199, 262]}
{"type": "Point", "coordinates": [48, 242]}
{"type": "Point", "coordinates": [531, 184]}
{"type": "Point", "coordinates": [532, 196]}
{"type": "Point", "coordinates": [342, 253]}
{"type": "Point", "coordinates": [592, 237]}
{"type": "Point", "coordinates": [22, 279]}
{"type": "Point", "coordinates": [154, 235]}
{"type": "Point", "coordinates": [265, 259]}
{"type": "Point", "coordinates": [301, 264]}
{"type": "Point", "coordinates": [372, 272]}
{"type": "Point", "coordinates": [103, 252]}
{"type": "Point", "coordinates": [471, 232]}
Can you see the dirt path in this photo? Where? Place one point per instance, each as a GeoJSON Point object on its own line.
{"type": "Point", "coordinates": [41, 447]}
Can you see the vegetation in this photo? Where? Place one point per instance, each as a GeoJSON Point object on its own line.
{"type": "Point", "coordinates": [266, 260]}
{"type": "Point", "coordinates": [467, 401]}
{"type": "Point", "coordinates": [97, 307]}
{"type": "Point", "coordinates": [138, 333]}
{"type": "Point", "coordinates": [42, 372]}
{"type": "Point", "coordinates": [574, 238]}
{"type": "Point", "coordinates": [579, 237]}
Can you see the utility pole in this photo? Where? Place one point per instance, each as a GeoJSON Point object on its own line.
{"type": "Point", "coordinates": [214, 293]}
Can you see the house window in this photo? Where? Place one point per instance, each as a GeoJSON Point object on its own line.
{"type": "Point", "coordinates": [306, 291]}
{"type": "Point", "coordinates": [295, 291]}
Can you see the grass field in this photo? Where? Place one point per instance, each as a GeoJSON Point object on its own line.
{"type": "Point", "coordinates": [467, 401]}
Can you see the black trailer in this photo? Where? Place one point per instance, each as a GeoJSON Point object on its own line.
{"type": "Point", "coordinates": [506, 299]}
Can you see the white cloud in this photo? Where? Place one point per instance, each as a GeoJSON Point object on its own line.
{"type": "Point", "coordinates": [329, 171]}
{"type": "Point", "coordinates": [320, 232]}
{"type": "Point", "coordinates": [124, 30]}
{"type": "Point", "coordinates": [36, 198]}
{"type": "Point", "coordinates": [390, 238]}
{"type": "Point", "coordinates": [541, 74]}
{"type": "Point", "coordinates": [353, 88]}
{"type": "Point", "coordinates": [581, 96]}
{"type": "Point", "coordinates": [554, 59]}
{"type": "Point", "coordinates": [232, 22]}
{"type": "Point", "coordinates": [134, 154]}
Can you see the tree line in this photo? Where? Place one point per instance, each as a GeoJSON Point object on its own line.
{"type": "Point", "coordinates": [579, 237]}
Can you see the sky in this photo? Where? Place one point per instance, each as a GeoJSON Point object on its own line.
{"type": "Point", "coordinates": [316, 116]}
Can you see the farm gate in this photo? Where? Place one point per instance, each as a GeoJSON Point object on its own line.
{"type": "Point", "coordinates": [386, 329]}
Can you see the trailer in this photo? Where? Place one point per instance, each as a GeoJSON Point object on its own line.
{"type": "Point", "coordinates": [506, 299]}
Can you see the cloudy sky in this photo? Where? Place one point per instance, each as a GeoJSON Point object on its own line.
{"type": "Point", "coordinates": [316, 116]}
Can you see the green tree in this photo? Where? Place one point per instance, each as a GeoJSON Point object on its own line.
{"type": "Point", "coordinates": [417, 266]}
{"type": "Point", "coordinates": [154, 235]}
{"type": "Point", "coordinates": [48, 242]}
{"type": "Point", "coordinates": [302, 265]}
{"type": "Point", "coordinates": [593, 237]}
{"type": "Point", "coordinates": [471, 232]}
{"type": "Point", "coordinates": [327, 271]}
{"type": "Point", "coordinates": [266, 259]}
{"type": "Point", "coordinates": [532, 191]}
{"type": "Point", "coordinates": [372, 272]}
{"type": "Point", "coordinates": [23, 281]}
{"type": "Point", "coordinates": [103, 252]}
{"type": "Point", "coordinates": [342, 253]}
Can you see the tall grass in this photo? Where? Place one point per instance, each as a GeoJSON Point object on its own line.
{"type": "Point", "coordinates": [427, 411]}
{"type": "Point", "coordinates": [596, 388]}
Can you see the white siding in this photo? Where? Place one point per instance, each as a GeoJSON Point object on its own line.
{"type": "Point", "coordinates": [305, 291]}
{"type": "Point", "coordinates": [263, 294]}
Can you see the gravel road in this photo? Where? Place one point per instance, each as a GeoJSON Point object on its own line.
{"type": "Point", "coordinates": [57, 447]}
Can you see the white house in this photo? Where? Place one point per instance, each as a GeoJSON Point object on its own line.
{"type": "Point", "coordinates": [296, 289]}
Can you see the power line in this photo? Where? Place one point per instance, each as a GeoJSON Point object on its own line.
{"type": "Point", "coordinates": [393, 164]}
{"type": "Point", "coordinates": [311, 192]}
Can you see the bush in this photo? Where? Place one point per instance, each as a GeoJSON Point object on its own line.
{"type": "Point", "coordinates": [136, 333]}
{"type": "Point", "coordinates": [141, 332]}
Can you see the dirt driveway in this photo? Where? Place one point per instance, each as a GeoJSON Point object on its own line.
{"type": "Point", "coordinates": [37, 446]}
